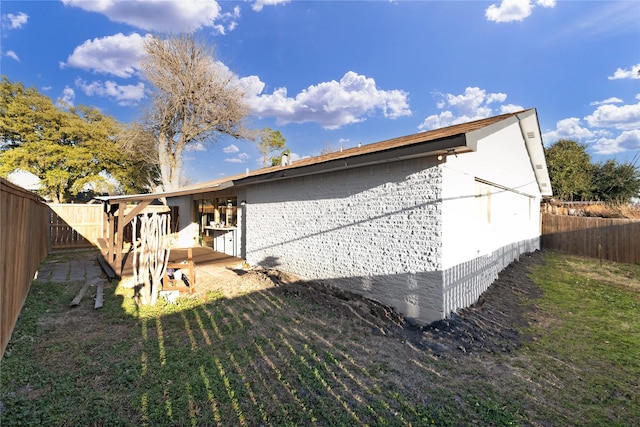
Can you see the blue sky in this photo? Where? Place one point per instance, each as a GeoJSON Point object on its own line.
{"type": "Point", "coordinates": [331, 74]}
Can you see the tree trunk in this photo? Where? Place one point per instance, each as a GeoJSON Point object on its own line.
{"type": "Point", "coordinates": [169, 157]}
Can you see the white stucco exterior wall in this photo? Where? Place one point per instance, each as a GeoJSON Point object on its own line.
{"type": "Point", "coordinates": [187, 227]}
{"type": "Point", "coordinates": [375, 230]}
{"type": "Point", "coordinates": [426, 237]}
{"type": "Point", "coordinates": [486, 226]}
{"type": "Point", "coordinates": [241, 233]}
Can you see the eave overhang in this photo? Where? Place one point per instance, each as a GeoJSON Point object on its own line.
{"type": "Point", "coordinates": [532, 136]}
{"type": "Point", "coordinates": [457, 139]}
{"type": "Point", "coordinates": [456, 144]}
{"type": "Point", "coordinates": [160, 195]}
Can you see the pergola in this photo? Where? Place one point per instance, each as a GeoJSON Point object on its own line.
{"type": "Point", "coordinates": [116, 218]}
{"type": "Point", "coordinates": [121, 210]}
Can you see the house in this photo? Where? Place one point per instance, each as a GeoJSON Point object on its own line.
{"type": "Point", "coordinates": [423, 223]}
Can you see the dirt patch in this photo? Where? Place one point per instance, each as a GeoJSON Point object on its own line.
{"type": "Point", "coordinates": [491, 325]}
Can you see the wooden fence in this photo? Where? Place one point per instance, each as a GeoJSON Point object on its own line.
{"type": "Point", "coordinates": [23, 245]}
{"type": "Point", "coordinates": [602, 238]}
{"type": "Point", "coordinates": [75, 226]}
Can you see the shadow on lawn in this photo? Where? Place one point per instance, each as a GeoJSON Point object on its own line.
{"type": "Point", "coordinates": [282, 353]}
{"type": "Point", "coordinates": [289, 354]}
{"type": "Point", "coordinates": [306, 353]}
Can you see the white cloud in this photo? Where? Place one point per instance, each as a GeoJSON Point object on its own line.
{"type": "Point", "coordinates": [612, 100]}
{"type": "Point", "coordinates": [510, 108]}
{"type": "Point", "coordinates": [229, 21]}
{"type": "Point", "coordinates": [570, 128]}
{"type": "Point", "coordinates": [230, 149]}
{"type": "Point", "coordinates": [13, 22]}
{"type": "Point", "coordinates": [155, 15]}
{"type": "Point", "coordinates": [627, 141]}
{"type": "Point", "coordinates": [67, 98]}
{"type": "Point", "coordinates": [195, 146]}
{"type": "Point", "coordinates": [293, 157]}
{"type": "Point", "coordinates": [610, 129]}
{"type": "Point", "coordinates": [330, 104]}
{"type": "Point", "coordinates": [514, 10]}
{"type": "Point", "coordinates": [473, 104]}
{"type": "Point", "coordinates": [624, 117]}
{"type": "Point", "coordinates": [11, 54]}
{"type": "Point", "coordinates": [474, 101]}
{"type": "Point", "coordinates": [631, 73]}
{"type": "Point", "coordinates": [122, 94]}
{"type": "Point", "coordinates": [241, 158]}
{"type": "Point", "coordinates": [118, 55]}
{"type": "Point", "coordinates": [259, 4]}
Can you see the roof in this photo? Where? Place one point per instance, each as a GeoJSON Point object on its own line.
{"type": "Point", "coordinates": [456, 139]}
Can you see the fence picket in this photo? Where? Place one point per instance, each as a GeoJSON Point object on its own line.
{"type": "Point", "coordinates": [75, 226]}
{"type": "Point", "coordinates": [23, 219]}
{"type": "Point", "coordinates": [611, 239]}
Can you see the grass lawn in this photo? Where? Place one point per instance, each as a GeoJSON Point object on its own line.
{"type": "Point", "coordinates": [276, 356]}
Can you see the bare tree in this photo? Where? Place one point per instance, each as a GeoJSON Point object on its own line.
{"type": "Point", "coordinates": [139, 147]}
{"type": "Point", "coordinates": [195, 99]}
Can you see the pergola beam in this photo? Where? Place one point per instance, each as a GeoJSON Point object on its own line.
{"type": "Point", "coordinates": [114, 234]}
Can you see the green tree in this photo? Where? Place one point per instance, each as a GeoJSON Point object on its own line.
{"type": "Point", "coordinates": [570, 170]}
{"type": "Point", "coordinates": [615, 182]}
{"type": "Point", "coordinates": [271, 145]}
{"type": "Point", "coordinates": [25, 116]}
{"type": "Point", "coordinates": [69, 150]}
{"type": "Point", "coordinates": [195, 99]}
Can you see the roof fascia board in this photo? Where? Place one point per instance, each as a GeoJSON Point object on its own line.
{"type": "Point", "coordinates": [530, 128]}
{"type": "Point", "coordinates": [442, 146]}
{"type": "Point", "coordinates": [453, 143]}
{"type": "Point", "coordinates": [152, 196]}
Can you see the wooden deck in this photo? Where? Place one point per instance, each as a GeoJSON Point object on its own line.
{"type": "Point", "coordinates": [204, 258]}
